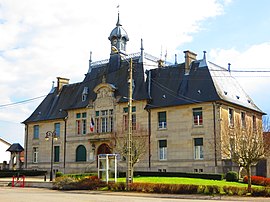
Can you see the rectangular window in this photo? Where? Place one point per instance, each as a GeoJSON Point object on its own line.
{"type": "Point", "coordinates": [104, 124]}
{"type": "Point", "coordinates": [57, 129]}
{"type": "Point", "coordinates": [125, 120]}
{"type": "Point", "coordinates": [78, 115]}
{"type": "Point", "coordinates": [78, 127]}
{"type": "Point", "coordinates": [198, 148]}
{"type": "Point", "coordinates": [197, 116]}
{"type": "Point", "coordinates": [84, 115]}
{"type": "Point", "coordinates": [56, 153]}
{"type": "Point", "coordinates": [35, 154]}
{"type": "Point", "coordinates": [162, 120]}
{"type": "Point", "coordinates": [97, 125]}
{"type": "Point", "coordinates": [125, 109]}
{"type": "Point", "coordinates": [84, 126]}
{"type": "Point", "coordinates": [36, 131]}
{"type": "Point", "coordinates": [254, 122]}
{"type": "Point", "coordinates": [104, 121]}
{"type": "Point", "coordinates": [243, 119]}
{"type": "Point", "coordinates": [162, 149]}
{"type": "Point", "coordinates": [111, 123]}
{"type": "Point", "coordinates": [231, 117]}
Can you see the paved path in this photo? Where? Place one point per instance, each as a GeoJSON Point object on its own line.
{"type": "Point", "coordinates": [9, 194]}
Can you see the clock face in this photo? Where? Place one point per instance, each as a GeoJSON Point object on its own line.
{"type": "Point", "coordinates": [114, 41]}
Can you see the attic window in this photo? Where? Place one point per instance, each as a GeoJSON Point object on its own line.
{"type": "Point", "coordinates": [85, 90]}
{"type": "Point", "coordinates": [199, 91]}
{"type": "Point", "coordinates": [225, 92]}
{"type": "Point", "coordinates": [249, 101]}
{"type": "Point", "coordinates": [164, 96]}
{"type": "Point", "coordinates": [237, 97]}
{"type": "Point", "coordinates": [84, 94]}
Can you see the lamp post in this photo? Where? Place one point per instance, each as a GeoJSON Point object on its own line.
{"type": "Point", "coordinates": [53, 136]}
{"type": "Point", "coordinates": [129, 172]}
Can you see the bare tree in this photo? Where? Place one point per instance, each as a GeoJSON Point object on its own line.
{"type": "Point", "coordinates": [244, 144]}
{"type": "Point", "coordinates": [139, 145]}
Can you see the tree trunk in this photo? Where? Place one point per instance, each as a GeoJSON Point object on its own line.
{"type": "Point", "coordinates": [249, 178]}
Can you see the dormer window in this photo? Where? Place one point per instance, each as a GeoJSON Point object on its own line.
{"type": "Point", "coordinates": [84, 94]}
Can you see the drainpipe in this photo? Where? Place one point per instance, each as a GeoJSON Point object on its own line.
{"type": "Point", "coordinates": [26, 146]}
{"type": "Point", "coordinates": [215, 133]}
{"type": "Point", "coordinates": [149, 138]}
{"type": "Point", "coordinates": [65, 141]}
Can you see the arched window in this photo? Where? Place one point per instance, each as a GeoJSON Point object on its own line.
{"type": "Point", "coordinates": [80, 153]}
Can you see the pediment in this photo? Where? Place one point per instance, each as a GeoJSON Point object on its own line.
{"type": "Point", "coordinates": [104, 90]}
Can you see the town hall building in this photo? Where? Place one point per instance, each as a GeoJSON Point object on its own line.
{"type": "Point", "coordinates": [178, 110]}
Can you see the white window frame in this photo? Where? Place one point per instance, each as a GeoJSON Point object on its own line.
{"type": "Point", "coordinates": [198, 150]}
{"type": "Point", "coordinates": [162, 151]}
{"type": "Point", "coordinates": [35, 154]}
{"type": "Point", "coordinates": [162, 124]}
{"type": "Point", "coordinates": [196, 119]}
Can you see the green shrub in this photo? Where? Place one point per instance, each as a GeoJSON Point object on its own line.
{"type": "Point", "coordinates": [119, 186]}
{"type": "Point", "coordinates": [231, 176]}
{"type": "Point", "coordinates": [59, 174]}
{"type": "Point", "coordinates": [70, 183]}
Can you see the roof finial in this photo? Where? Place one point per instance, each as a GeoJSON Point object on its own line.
{"type": "Point", "coordinates": [90, 62]}
{"type": "Point", "coordinates": [175, 59]}
{"type": "Point", "coordinates": [142, 53]}
{"type": "Point", "coordinates": [204, 55]}
{"type": "Point", "coordinates": [118, 19]}
{"type": "Point", "coordinates": [52, 84]}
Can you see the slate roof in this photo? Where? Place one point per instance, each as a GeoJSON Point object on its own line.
{"type": "Point", "coordinates": [206, 82]}
{"type": "Point", "coordinates": [55, 105]}
{"type": "Point", "coordinates": [16, 147]}
{"type": "Point", "coordinates": [163, 87]}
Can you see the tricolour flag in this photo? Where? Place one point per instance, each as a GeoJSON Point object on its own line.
{"type": "Point", "coordinates": [92, 124]}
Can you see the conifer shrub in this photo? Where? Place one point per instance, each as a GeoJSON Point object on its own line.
{"type": "Point", "coordinates": [231, 176]}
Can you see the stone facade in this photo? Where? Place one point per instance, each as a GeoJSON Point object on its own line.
{"type": "Point", "coordinates": [180, 109]}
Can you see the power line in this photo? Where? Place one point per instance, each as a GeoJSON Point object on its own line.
{"type": "Point", "coordinates": [21, 102]}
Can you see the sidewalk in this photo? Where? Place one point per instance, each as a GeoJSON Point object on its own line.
{"type": "Point", "coordinates": [38, 182]}
{"type": "Point", "coordinates": [30, 181]}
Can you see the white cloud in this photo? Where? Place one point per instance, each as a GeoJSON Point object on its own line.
{"type": "Point", "coordinates": [40, 40]}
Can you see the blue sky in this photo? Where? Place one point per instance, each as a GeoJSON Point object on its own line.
{"type": "Point", "coordinates": [41, 40]}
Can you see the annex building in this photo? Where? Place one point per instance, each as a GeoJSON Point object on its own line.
{"type": "Point", "coordinates": [178, 110]}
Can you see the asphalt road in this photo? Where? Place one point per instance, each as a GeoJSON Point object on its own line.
{"type": "Point", "coordinates": [8, 194]}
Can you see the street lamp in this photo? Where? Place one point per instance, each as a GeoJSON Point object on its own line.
{"type": "Point", "coordinates": [129, 173]}
{"type": "Point", "coordinates": [53, 137]}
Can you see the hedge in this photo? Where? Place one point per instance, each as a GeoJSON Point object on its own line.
{"type": "Point", "coordinates": [10, 173]}
{"type": "Point", "coordinates": [208, 176]}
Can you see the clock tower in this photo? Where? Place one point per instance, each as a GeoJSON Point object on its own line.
{"type": "Point", "coordinates": [118, 38]}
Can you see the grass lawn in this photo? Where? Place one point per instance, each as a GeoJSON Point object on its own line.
{"type": "Point", "coordinates": [183, 180]}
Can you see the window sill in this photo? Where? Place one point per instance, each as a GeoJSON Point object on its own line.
{"type": "Point", "coordinates": [198, 159]}
{"type": "Point", "coordinates": [162, 159]}
{"type": "Point", "coordinates": [197, 126]}
{"type": "Point", "coordinates": [162, 129]}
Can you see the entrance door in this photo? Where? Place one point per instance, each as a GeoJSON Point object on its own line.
{"type": "Point", "coordinates": [103, 149]}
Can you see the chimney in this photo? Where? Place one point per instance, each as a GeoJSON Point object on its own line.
{"type": "Point", "coordinates": [189, 58]}
{"type": "Point", "coordinates": [61, 82]}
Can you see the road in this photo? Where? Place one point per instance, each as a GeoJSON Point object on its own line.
{"type": "Point", "coordinates": [8, 194]}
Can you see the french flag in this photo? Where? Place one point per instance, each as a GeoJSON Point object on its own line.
{"type": "Point", "coordinates": [92, 124]}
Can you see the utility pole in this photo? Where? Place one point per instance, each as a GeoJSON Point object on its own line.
{"type": "Point", "coordinates": [129, 174]}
